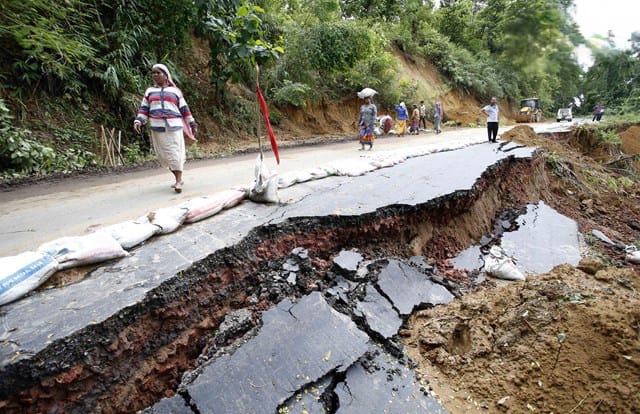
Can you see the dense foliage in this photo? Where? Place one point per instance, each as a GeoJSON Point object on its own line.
{"type": "Point", "coordinates": [614, 78]}
{"type": "Point", "coordinates": [80, 51]}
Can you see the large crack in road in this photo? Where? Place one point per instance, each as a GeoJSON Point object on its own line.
{"type": "Point", "coordinates": [185, 317]}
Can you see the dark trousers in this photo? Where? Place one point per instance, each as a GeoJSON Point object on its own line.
{"type": "Point", "coordinates": [423, 120]}
{"type": "Point", "coordinates": [492, 130]}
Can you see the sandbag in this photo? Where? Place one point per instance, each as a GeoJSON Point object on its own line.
{"type": "Point", "coordinates": [498, 264]}
{"type": "Point", "coordinates": [382, 162]}
{"type": "Point", "coordinates": [317, 173]}
{"type": "Point", "coordinates": [287, 179]}
{"type": "Point", "coordinates": [353, 168]}
{"type": "Point", "coordinates": [168, 218]}
{"type": "Point", "coordinates": [233, 198]}
{"type": "Point", "coordinates": [80, 250]}
{"type": "Point", "coordinates": [265, 186]}
{"type": "Point", "coordinates": [366, 93]}
{"type": "Point", "coordinates": [131, 233]}
{"type": "Point", "coordinates": [22, 273]}
{"type": "Point", "coordinates": [632, 254]}
{"type": "Point", "coordinates": [330, 169]}
{"type": "Point", "coordinates": [203, 207]}
{"type": "Point", "coordinates": [303, 176]}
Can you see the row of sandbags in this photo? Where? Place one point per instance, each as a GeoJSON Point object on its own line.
{"type": "Point", "coordinates": [22, 273]}
{"type": "Point", "coordinates": [359, 166]}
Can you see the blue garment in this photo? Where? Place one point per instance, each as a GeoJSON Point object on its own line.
{"type": "Point", "coordinates": [403, 115]}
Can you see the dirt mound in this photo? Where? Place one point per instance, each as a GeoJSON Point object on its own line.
{"type": "Point", "coordinates": [566, 341]}
{"type": "Point", "coordinates": [630, 140]}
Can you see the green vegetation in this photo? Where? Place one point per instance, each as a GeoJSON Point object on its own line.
{"type": "Point", "coordinates": [76, 56]}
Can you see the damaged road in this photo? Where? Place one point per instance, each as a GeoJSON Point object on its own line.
{"type": "Point", "coordinates": [145, 331]}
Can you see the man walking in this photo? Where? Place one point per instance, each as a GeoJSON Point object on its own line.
{"type": "Point", "coordinates": [491, 111]}
{"type": "Point", "coordinates": [423, 115]}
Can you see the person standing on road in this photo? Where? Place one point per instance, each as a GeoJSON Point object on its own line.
{"type": "Point", "coordinates": [598, 111]}
{"type": "Point", "coordinates": [366, 123]}
{"type": "Point", "coordinates": [423, 116]}
{"type": "Point", "coordinates": [438, 114]}
{"type": "Point", "coordinates": [492, 112]}
{"type": "Point", "coordinates": [403, 115]}
{"type": "Point", "coordinates": [415, 120]}
{"type": "Point", "coordinates": [169, 117]}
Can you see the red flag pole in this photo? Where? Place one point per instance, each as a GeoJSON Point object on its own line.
{"type": "Point", "coordinates": [265, 114]}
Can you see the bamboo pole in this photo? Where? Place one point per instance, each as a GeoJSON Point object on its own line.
{"type": "Point", "coordinates": [258, 112]}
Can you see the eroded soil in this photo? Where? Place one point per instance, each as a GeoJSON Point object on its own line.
{"type": "Point", "coordinates": [555, 343]}
{"type": "Point", "coordinates": [565, 341]}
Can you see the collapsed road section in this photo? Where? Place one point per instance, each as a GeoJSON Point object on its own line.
{"type": "Point", "coordinates": [123, 338]}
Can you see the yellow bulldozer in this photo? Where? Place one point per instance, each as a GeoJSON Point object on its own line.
{"type": "Point", "coordinates": [530, 110]}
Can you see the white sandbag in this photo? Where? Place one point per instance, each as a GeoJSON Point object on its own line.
{"type": "Point", "coordinates": [80, 250]}
{"type": "Point", "coordinates": [633, 254]}
{"type": "Point", "coordinates": [382, 162]}
{"type": "Point", "coordinates": [353, 168]}
{"type": "Point", "coordinates": [498, 264]}
{"type": "Point", "coordinates": [168, 218]}
{"type": "Point", "coordinates": [131, 233]}
{"type": "Point", "coordinates": [233, 198]}
{"type": "Point", "coordinates": [203, 207]}
{"type": "Point", "coordinates": [287, 179]}
{"type": "Point", "coordinates": [318, 173]}
{"type": "Point", "coordinates": [22, 273]}
{"type": "Point", "coordinates": [330, 169]}
{"type": "Point", "coordinates": [366, 93]}
{"type": "Point", "coordinates": [303, 176]}
{"type": "Point", "coordinates": [265, 186]}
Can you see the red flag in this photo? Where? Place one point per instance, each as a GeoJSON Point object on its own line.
{"type": "Point", "coordinates": [265, 113]}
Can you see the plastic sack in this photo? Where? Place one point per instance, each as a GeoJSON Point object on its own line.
{"type": "Point", "coordinates": [498, 264]}
{"type": "Point", "coordinates": [22, 273]}
{"type": "Point", "coordinates": [204, 207]}
{"type": "Point", "coordinates": [287, 179]}
{"type": "Point", "coordinates": [633, 254]}
{"type": "Point", "coordinates": [131, 233]}
{"type": "Point", "coordinates": [366, 93]}
{"type": "Point", "coordinates": [353, 168]}
{"type": "Point", "coordinates": [303, 176]}
{"type": "Point", "coordinates": [168, 218]}
{"type": "Point", "coordinates": [81, 250]}
{"type": "Point", "coordinates": [265, 186]}
{"type": "Point", "coordinates": [317, 173]}
{"type": "Point", "coordinates": [382, 162]}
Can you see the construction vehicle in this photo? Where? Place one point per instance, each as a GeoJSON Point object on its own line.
{"type": "Point", "coordinates": [530, 110]}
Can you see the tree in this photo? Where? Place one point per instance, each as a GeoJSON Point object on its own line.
{"type": "Point", "coordinates": [233, 28]}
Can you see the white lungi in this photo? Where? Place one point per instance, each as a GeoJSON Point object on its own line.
{"type": "Point", "coordinates": [169, 148]}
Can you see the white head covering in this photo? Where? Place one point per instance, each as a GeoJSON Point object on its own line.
{"type": "Point", "coordinates": [165, 70]}
{"type": "Point", "coordinates": [403, 105]}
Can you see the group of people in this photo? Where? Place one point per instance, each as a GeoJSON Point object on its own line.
{"type": "Point", "coordinates": [165, 110]}
{"type": "Point", "coordinates": [368, 118]}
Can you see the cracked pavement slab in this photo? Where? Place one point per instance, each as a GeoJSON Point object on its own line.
{"type": "Point", "coordinates": [407, 288]}
{"type": "Point", "coordinates": [298, 344]}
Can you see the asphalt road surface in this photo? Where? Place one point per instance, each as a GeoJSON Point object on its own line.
{"type": "Point", "coordinates": [74, 206]}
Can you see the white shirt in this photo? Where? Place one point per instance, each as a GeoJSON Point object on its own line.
{"type": "Point", "coordinates": [492, 112]}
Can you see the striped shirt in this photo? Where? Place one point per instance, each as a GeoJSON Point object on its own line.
{"type": "Point", "coordinates": [164, 108]}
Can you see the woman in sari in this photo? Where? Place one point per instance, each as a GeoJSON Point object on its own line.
{"type": "Point", "coordinates": [165, 109]}
{"type": "Point", "coordinates": [366, 123]}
